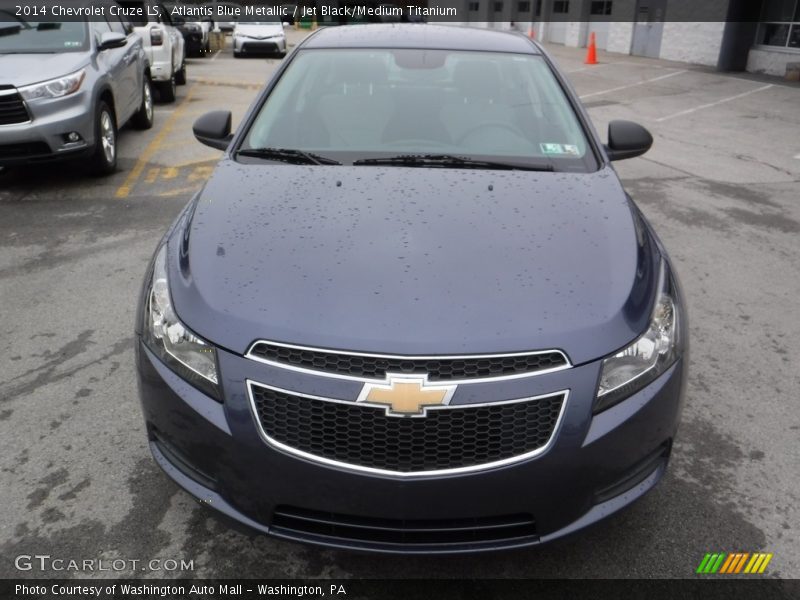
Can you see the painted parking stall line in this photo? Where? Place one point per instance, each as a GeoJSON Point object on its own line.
{"type": "Point", "coordinates": [590, 68]}
{"type": "Point", "coordinates": [689, 111]}
{"type": "Point", "coordinates": [631, 85]}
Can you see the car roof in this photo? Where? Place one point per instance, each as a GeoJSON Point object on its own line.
{"type": "Point", "coordinates": [420, 35]}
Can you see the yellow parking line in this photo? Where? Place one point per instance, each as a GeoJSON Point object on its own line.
{"type": "Point", "coordinates": [179, 191]}
{"type": "Point", "coordinates": [152, 175]}
{"type": "Point", "coordinates": [203, 161]}
{"type": "Point", "coordinates": [200, 173]}
{"type": "Point", "coordinates": [125, 189]}
{"type": "Point", "coordinates": [170, 173]}
{"type": "Point", "coordinates": [250, 85]}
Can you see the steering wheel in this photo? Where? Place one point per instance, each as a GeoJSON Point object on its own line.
{"type": "Point", "coordinates": [489, 125]}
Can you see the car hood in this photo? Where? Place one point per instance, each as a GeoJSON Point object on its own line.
{"type": "Point", "coordinates": [24, 69]}
{"type": "Point", "coordinates": [414, 260]}
{"type": "Point", "coordinates": [259, 31]}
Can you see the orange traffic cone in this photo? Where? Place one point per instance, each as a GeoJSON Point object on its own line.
{"type": "Point", "coordinates": [591, 51]}
{"type": "Point", "coordinates": [531, 32]}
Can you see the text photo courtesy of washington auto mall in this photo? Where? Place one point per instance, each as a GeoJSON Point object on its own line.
{"type": "Point", "coordinates": [399, 299]}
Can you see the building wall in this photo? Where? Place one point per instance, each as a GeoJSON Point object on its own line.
{"type": "Point", "coordinates": [576, 33]}
{"type": "Point", "coordinates": [690, 42]}
{"type": "Point", "coordinates": [620, 36]}
{"type": "Point", "coordinates": [697, 43]}
{"type": "Point", "coordinates": [770, 62]}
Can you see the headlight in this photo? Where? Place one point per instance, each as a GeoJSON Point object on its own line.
{"type": "Point", "coordinates": [182, 350]}
{"type": "Point", "coordinates": [54, 88]}
{"type": "Point", "coordinates": [632, 368]}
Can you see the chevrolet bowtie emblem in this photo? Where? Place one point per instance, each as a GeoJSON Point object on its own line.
{"type": "Point", "coordinates": [406, 395]}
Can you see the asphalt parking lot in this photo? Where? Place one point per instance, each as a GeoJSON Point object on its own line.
{"type": "Point", "coordinates": [720, 186]}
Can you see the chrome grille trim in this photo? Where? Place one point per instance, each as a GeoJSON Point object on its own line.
{"type": "Point", "coordinates": [402, 474]}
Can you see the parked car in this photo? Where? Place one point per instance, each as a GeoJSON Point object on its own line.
{"type": "Point", "coordinates": [163, 44]}
{"type": "Point", "coordinates": [413, 308]}
{"type": "Point", "coordinates": [224, 14]}
{"type": "Point", "coordinates": [66, 88]}
{"type": "Point", "coordinates": [195, 35]}
{"type": "Point", "coordinates": [259, 37]}
{"type": "Point", "coordinates": [288, 13]}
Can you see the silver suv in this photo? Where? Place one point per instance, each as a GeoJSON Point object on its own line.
{"type": "Point", "coordinates": [67, 87]}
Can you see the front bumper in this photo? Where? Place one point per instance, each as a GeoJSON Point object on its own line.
{"type": "Point", "coordinates": [42, 138]}
{"type": "Point", "coordinates": [255, 46]}
{"type": "Point", "coordinates": [595, 466]}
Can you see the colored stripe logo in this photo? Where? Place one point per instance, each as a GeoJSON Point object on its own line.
{"type": "Point", "coordinates": [734, 562]}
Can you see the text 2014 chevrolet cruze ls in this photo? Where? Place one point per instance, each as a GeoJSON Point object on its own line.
{"type": "Point", "coordinates": [413, 309]}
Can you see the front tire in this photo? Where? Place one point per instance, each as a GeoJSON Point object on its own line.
{"type": "Point", "coordinates": [168, 90]}
{"type": "Point", "coordinates": [104, 158]}
{"type": "Point", "coordinates": [143, 119]}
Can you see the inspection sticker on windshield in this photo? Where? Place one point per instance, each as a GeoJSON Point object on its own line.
{"type": "Point", "coordinates": [568, 149]}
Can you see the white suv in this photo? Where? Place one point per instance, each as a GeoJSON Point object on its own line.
{"type": "Point", "coordinates": [163, 44]}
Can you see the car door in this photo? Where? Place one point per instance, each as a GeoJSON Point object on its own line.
{"type": "Point", "coordinates": [130, 71]}
{"type": "Point", "coordinates": [111, 62]}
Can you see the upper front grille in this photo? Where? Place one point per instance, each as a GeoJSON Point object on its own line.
{"type": "Point", "coordinates": [461, 437]}
{"type": "Point", "coordinates": [12, 108]}
{"type": "Point", "coordinates": [444, 368]}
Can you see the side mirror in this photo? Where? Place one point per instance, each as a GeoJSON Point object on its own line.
{"type": "Point", "coordinates": [285, 24]}
{"type": "Point", "coordinates": [627, 140]}
{"type": "Point", "coordinates": [214, 129]}
{"type": "Point", "coordinates": [111, 39]}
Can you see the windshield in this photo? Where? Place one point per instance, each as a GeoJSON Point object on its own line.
{"type": "Point", "coordinates": [18, 36]}
{"type": "Point", "coordinates": [354, 104]}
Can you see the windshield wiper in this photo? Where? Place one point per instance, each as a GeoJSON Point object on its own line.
{"type": "Point", "coordinates": [288, 155]}
{"type": "Point", "coordinates": [449, 160]}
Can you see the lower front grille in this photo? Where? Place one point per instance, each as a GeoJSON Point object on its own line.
{"type": "Point", "coordinates": [447, 439]}
{"type": "Point", "coordinates": [347, 530]}
{"type": "Point", "coordinates": [24, 150]}
{"type": "Point", "coordinates": [259, 47]}
{"type": "Point", "coordinates": [12, 108]}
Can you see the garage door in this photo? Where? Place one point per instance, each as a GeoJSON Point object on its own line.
{"type": "Point", "coordinates": [600, 12]}
{"type": "Point", "coordinates": [557, 28]}
{"type": "Point", "coordinates": [557, 32]}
